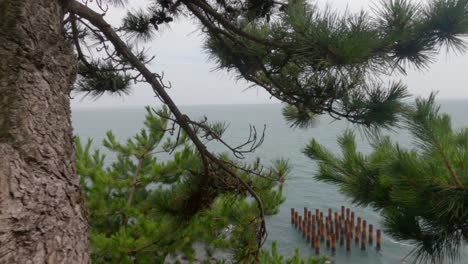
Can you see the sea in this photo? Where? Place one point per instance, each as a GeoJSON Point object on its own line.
{"type": "Point", "coordinates": [281, 141]}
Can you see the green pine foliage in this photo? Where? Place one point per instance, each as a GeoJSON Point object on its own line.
{"type": "Point", "coordinates": [273, 257]}
{"type": "Point", "coordinates": [318, 61]}
{"type": "Point", "coordinates": [421, 192]}
{"type": "Point", "coordinates": [326, 62]}
{"type": "Point", "coordinates": [145, 208]}
{"type": "Point", "coordinates": [97, 78]}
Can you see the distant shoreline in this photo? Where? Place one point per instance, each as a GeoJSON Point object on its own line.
{"type": "Point", "coordinates": [158, 104]}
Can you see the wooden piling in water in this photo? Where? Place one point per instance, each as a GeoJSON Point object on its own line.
{"type": "Point", "coordinates": [364, 227]}
{"type": "Point", "coordinates": [317, 246]}
{"type": "Point", "coordinates": [322, 231]}
{"type": "Point", "coordinates": [299, 224]}
{"type": "Point", "coordinates": [357, 229]}
{"type": "Point", "coordinates": [296, 219]}
{"type": "Point", "coordinates": [357, 232]}
{"type": "Point", "coordinates": [306, 225]}
{"type": "Point", "coordinates": [310, 230]}
{"type": "Point", "coordinates": [332, 228]}
{"type": "Point", "coordinates": [346, 227]}
{"type": "Point", "coordinates": [363, 234]}
{"type": "Point", "coordinates": [337, 229]}
{"type": "Point", "coordinates": [312, 239]}
{"type": "Point", "coordinates": [333, 244]}
{"type": "Point", "coordinates": [342, 238]}
{"type": "Point", "coordinates": [363, 241]}
{"type": "Point", "coordinates": [348, 242]}
{"type": "Point", "coordinates": [327, 223]}
{"type": "Point", "coordinates": [379, 240]}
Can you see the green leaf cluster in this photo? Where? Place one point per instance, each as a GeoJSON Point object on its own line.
{"type": "Point", "coordinates": [420, 191]}
{"type": "Point", "coordinates": [147, 205]}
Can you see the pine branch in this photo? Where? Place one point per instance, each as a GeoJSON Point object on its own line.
{"type": "Point", "coordinates": [76, 41]}
{"type": "Point", "coordinates": [228, 25]}
{"type": "Point", "coordinates": [134, 181]}
{"type": "Point", "coordinates": [447, 162]}
{"type": "Point", "coordinates": [408, 186]}
{"type": "Point", "coordinates": [97, 20]}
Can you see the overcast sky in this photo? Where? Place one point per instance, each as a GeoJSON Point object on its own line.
{"type": "Point", "coordinates": [180, 56]}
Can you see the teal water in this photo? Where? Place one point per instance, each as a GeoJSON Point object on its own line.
{"type": "Point", "coordinates": [301, 190]}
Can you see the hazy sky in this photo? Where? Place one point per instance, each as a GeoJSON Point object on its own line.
{"type": "Point", "coordinates": [180, 56]}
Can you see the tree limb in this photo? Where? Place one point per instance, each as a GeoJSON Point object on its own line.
{"type": "Point", "coordinates": [123, 50]}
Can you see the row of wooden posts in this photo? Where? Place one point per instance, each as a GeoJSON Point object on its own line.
{"type": "Point", "coordinates": [334, 228]}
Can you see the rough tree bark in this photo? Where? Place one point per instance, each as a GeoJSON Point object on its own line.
{"type": "Point", "coordinates": [42, 213]}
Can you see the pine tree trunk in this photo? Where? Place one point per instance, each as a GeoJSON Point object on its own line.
{"type": "Point", "coordinates": [42, 213]}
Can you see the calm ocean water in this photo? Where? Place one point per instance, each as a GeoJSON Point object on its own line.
{"type": "Point", "coordinates": [301, 190]}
